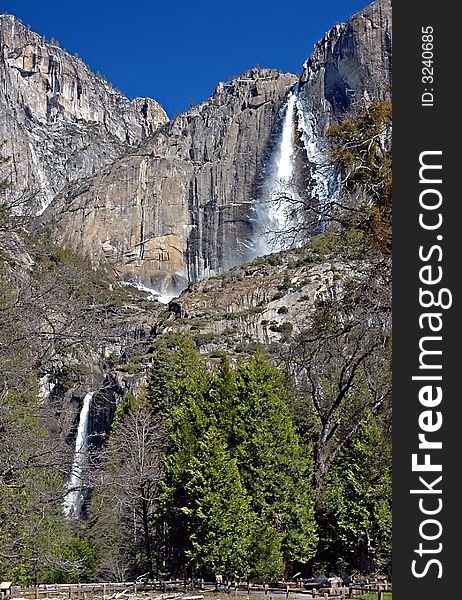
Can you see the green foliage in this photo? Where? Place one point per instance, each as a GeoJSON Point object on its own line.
{"type": "Point", "coordinates": [38, 543]}
{"type": "Point", "coordinates": [275, 469]}
{"type": "Point", "coordinates": [127, 404]}
{"type": "Point", "coordinates": [278, 296]}
{"type": "Point", "coordinates": [265, 554]}
{"type": "Point", "coordinates": [234, 450]}
{"type": "Point", "coordinates": [160, 379]}
{"type": "Point", "coordinates": [357, 497]}
{"type": "Point", "coordinates": [361, 148]}
{"type": "Point", "coordinates": [217, 510]}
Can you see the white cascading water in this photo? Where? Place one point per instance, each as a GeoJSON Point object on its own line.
{"type": "Point", "coordinates": [274, 212]}
{"type": "Point", "coordinates": [323, 174]}
{"type": "Point", "coordinates": [285, 163]}
{"type": "Point", "coordinates": [277, 211]}
{"type": "Point", "coordinates": [73, 501]}
{"type": "Point", "coordinates": [154, 294]}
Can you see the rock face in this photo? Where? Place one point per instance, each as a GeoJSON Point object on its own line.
{"type": "Point", "coordinates": [351, 61]}
{"type": "Point", "coordinates": [265, 302]}
{"type": "Point", "coordinates": [180, 207]}
{"type": "Point", "coordinates": [59, 121]}
{"type": "Point", "coordinates": [164, 205]}
{"type": "Point", "coordinates": [350, 65]}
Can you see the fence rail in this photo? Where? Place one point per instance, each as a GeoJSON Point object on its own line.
{"type": "Point", "coordinates": [113, 590]}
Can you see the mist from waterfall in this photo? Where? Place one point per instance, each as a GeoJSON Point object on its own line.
{"type": "Point", "coordinates": [73, 501]}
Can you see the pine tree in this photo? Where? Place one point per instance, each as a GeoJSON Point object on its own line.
{"type": "Point", "coordinates": [219, 519]}
{"type": "Point", "coordinates": [159, 387]}
{"type": "Point", "coordinates": [361, 149]}
{"type": "Point", "coordinates": [275, 468]}
{"type": "Point", "coordinates": [188, 418]}
{"type": "Point", "coordinates": [265, 557]}
{"type": "Point", "coordinates": [357, 498]}
{"type": "Point", "coordinates": [247, 409]}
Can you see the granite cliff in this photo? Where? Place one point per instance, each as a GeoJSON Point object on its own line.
{"type": "Point", "coordinates": [58, 121]}
{"type": "Point", "coordinates": [158, 203]}
{"type": "Point", "coordinates": [180, 206]}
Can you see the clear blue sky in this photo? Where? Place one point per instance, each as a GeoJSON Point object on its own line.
{"type": "Point", "coordinates": [177, 50]}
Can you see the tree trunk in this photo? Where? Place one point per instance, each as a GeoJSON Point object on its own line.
{"type": "Point", "coordinates": [147, 539]}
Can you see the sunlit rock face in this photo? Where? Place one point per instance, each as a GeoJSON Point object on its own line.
{"type": "Point", "coordinates": [60, 122]}
{"type": "Point", "coordinates": [164, 203]}
{"type": "Point", "coordinates": [181, 206]}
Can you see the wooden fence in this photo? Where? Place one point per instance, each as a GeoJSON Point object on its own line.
{"type": "Point", "coordinates": [112, 591]}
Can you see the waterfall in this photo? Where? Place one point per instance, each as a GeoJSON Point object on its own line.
{"type": "Point", "coordinates": [73, 501]}
{"type": "Point", "coordinates": [275, 209]}
{"type": "Point", "coordinates": [285, 164]}
{"type": "Point", "coordinates": [279, 211]}
{"type": "Point", "coordinates": [324, 177]}
{"type": "Point", "coordinates": [154, 294]}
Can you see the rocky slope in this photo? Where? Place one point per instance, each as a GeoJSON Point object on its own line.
{"type": "Point", "coordinates": [351, 64]}
{"type": "Point", "coordinates": [58, 121]}
{"type": "Point", "coordinates": [265, 302]}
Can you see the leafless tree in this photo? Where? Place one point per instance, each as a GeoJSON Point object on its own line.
{"type": "Point", "coordinates": [342, 362]}
{"type": "Point", "coordinates": [126, 489]}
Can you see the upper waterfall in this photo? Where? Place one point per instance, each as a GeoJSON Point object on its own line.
{"type": "Point", "coordinates": [274, 210]}
{"type": "Point", "coordinates": [285, 164]}
{"type": "Point", "coordinates": [298, 178]}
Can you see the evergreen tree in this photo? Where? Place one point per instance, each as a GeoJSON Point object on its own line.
{"type": "Point", "coordinates": [188, 418]}
{"type": "Point", "coordinates": [219, 520]}
{"type": "Point", "coordinates": [127, 404]}
{"type": "Point", "coordinates": [159, 387]}
{"type": "Point", "coordinates": [361, 149]}
{"type": "Point", "coordinates": [275, 469]}
{"type": "Point", "coordinates": [265, 556]}
{"type": "Point", "coordinates": [356, 501]}
{"type": "Point", "coordinates": [248, 407]}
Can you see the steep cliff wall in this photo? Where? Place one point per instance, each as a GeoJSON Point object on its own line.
{"type": "Point", "coordinates": [59, 121]}
{"type": "Point", "coordinates": [350, 65]}
{"type": "Point", "coordinates": [351, 61]}
{"type": "Point", "coordinates": [180, 207]}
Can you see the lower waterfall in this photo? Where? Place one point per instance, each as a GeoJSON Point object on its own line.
{"type": "Point", "coordinates": [73, 500]}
